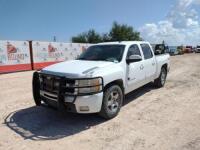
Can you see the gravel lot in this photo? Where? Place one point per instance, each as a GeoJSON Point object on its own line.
{"type": "Point", "coordinates": [153, 119]}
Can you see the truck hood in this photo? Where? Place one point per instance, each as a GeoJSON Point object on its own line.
{"type": "Point", "coordinates": [75, 68]}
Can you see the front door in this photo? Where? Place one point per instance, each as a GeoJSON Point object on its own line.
{"type": "Point", "coordinates": [135, 70]}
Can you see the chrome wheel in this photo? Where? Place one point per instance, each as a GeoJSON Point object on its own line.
{"type": "Point", "coordinates": [113, 101]}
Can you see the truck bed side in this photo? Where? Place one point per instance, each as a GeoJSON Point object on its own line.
{"type": "Point", "coordinates": [162, 60]}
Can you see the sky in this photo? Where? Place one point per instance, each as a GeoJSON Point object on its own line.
{"type": "Point", "coordinates": [175, 21]}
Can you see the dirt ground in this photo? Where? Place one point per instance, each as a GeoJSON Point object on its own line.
{"type": "Point", "coordinates": [153, 119]}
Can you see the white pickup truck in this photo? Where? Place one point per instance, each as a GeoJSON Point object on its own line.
{"type": "Point", "coordinates": [98, 80]}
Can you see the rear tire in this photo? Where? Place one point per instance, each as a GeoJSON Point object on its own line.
{"type": "Point", "coordinates": [160, 81]}
{"type": "Point", "coordinates": [112, 102]}
{"type": "Point", "coordinates": [36, 88]}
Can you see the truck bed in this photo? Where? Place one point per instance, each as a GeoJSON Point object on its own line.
{"type": "Point", "coordinates": [161, 60]}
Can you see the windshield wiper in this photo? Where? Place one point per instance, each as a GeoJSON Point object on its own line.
{"type": "Point", "coordinates": [96, 59]}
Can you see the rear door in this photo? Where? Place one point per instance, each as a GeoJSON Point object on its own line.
{"type": "Point", "coordinates": [149, 62]}
{"type": "Point", "coordinates": [135, 70]}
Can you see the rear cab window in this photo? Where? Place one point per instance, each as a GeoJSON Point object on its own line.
{"type": "Point", "coordinates": [147, 52]}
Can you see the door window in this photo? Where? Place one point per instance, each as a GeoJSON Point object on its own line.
{"type": "Point", "coordinates": [133, 50]}
{"type": "Point", "coordinates": [146, 51]}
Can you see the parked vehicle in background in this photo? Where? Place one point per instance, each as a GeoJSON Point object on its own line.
{"type": "Point", "coordinates": [197, 49]}
{"type": "Point", "coordinates": [188, 49]}
{"type": "Point", "coordinates": [99, 79]}
{"type": "Point", "coordinates": [193, 49]}
{"type": "Point", "coordinates": [180, 50]}
{"type": "Point", "coordinates": [173, 50]}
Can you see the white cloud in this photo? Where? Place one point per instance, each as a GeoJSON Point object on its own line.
{"type": "Point", "coordinates": [181, 26]}
{"type": "Point", "coordinates": [197, 1]}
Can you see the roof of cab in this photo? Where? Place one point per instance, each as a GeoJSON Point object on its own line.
{"type": "Point", "coordinates": [123, 42]}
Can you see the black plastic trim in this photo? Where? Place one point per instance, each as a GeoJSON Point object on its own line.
{"type": "Point", "coordinates": [74, 87]}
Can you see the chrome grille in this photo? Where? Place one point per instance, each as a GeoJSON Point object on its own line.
{"type": "Point", "coordinates": [51, 84]}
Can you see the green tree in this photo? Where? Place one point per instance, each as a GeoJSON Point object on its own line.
{"type": "Point", "coordinates": [118, 32]}
{"type": "Point", "coordinates": [123, 32]}
{"type": "Point", "coordinates": [87, 37]}
{"type": "Point", "coordinates": [81, 38]}
{"type": "Point", "coordinates": [106, 37]}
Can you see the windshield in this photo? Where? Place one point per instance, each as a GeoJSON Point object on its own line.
{"type": "Point", "coordinates": [198, 46]}
{"type": "Point", "coordinates": [112, 53]}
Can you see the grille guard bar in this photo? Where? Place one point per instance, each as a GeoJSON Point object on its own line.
{"type": "Point", "coordinates": [62, 82]}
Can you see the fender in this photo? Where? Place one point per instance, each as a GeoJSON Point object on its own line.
{"type": "Point", "coordinates": [111, 73]}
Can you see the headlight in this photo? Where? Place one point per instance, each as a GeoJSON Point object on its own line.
{"type": "Point", "coordinates": [90, 90]}
{"type": "Point", "coordinates": [85, 86]}
{"type": "Point", "coordinates": [89, 82]}
{"type": "Point", "coordinates": [88, 86]}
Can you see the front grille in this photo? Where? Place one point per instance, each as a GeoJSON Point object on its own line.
{"type": "Point", "coordinates": [52, 83]}
{"type": "Point", "coordinates": [69, 90]}
{"type": "Point", "coordinates": [49, 83]}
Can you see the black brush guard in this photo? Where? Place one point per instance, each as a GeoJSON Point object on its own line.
{"type": "Point", "coordinates": [61, 91]}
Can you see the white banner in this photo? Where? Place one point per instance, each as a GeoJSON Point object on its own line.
{"type": "Point", "coordinates": [14, 53]}
{"type": "Point", "coordinates": [54, 51]}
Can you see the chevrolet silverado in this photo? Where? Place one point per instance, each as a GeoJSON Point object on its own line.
{"type": "Point", "coordinates": [97, 81]}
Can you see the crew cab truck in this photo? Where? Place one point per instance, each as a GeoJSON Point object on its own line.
{"type": "Point", "coordinates": [97, 81]}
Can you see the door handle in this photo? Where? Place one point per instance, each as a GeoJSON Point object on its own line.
{"type": "Point", "coordinates": [141, 67]}
{"type": "Point", "coordinates": [153, 63]}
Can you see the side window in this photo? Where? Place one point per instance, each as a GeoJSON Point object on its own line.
{"type": "Point", "coordinates": [146, 51]}
{"type": "Point", "coordinates": [133, 50]}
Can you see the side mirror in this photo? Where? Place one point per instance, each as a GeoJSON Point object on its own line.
{"type": "Point", "coordinates": [133, 58]}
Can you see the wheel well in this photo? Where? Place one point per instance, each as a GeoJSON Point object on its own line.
{"type": "Point", "coordinates": [116, 82]}
{"type": "Point", "coordinates": [164, 66]}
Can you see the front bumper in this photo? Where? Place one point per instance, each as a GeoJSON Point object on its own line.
{"type": "Point", "coordinates": [87, 103]}
{"type": "Point", "coordinates": [79, 104]}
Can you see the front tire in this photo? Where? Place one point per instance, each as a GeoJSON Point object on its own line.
{"type": "Point", "coordinates": [36, 88]}
{"type": "Point", "coordinates": [112, 102]}
{"type": "Point", "coordinates": [160, 81]}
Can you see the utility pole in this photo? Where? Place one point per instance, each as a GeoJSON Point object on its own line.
{"type": "Point", "coordinates": [54, 38]}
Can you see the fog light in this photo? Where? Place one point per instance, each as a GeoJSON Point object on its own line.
{"type": "Point", "coordinates": [84, 108]}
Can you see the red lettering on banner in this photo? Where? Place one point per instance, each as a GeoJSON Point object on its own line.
{"type": "Point", "coordinates": [16, 56]}
{"type": "Point", "coordinates": [11, 48]}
